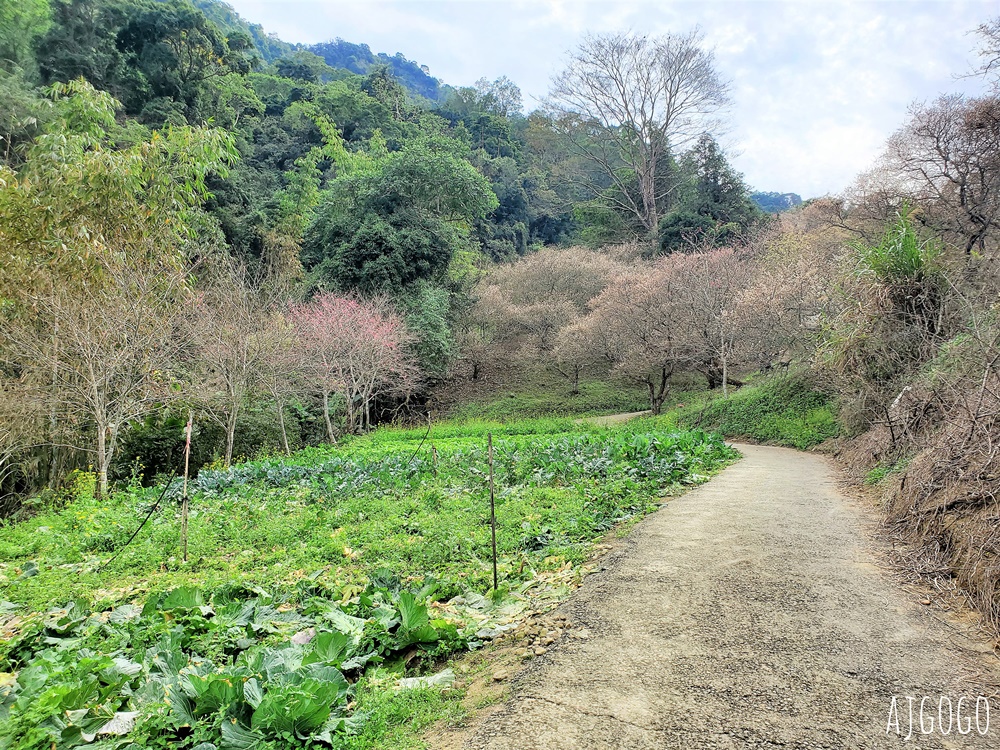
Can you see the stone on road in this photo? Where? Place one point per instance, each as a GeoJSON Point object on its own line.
{"type": "Point", "coordinates": [749, 613]}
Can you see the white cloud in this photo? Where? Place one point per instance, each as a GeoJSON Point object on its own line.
{"type": "Point", "coordinates": [817, 86]}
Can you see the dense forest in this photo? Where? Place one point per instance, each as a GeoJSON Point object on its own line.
{"type": "Point", "coordinates": [261, 180]}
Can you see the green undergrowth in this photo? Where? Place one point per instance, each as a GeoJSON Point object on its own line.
{"type": "Point", "coordinates": [314, 584]}
{"type": "Point", "coordinates": [545, 397]}
{"type": "Point", "coordinates": [878, 474]}
{"type": "Point", "coordinates": [787, 411]}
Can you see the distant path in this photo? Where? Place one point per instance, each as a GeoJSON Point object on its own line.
{"type": "Point", "coordinates": [611, 419]}
{"type": "Point", "coordinates": [749, 613]}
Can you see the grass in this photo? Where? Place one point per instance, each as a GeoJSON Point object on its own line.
{"type": "Point", "coordinates": [777, 410]}
{"type": "Point", "coordinates": [878, 474]}
{"type": "Point", "coordinates": [542, 396]}
{"type": "Point", "coordinates": [786, 411]}
{"type": "Point", "coordinates": [397, 719]}
{"type": "Point", "coordinates": [313, 584]}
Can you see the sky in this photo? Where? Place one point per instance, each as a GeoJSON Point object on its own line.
{"type": "Point", "coordinates": [817, 86]}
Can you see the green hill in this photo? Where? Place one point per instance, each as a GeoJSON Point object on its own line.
{"type": "Point", "coordinates": [338, 53]}
{"type": "Point", "coordinates": [775, 203]}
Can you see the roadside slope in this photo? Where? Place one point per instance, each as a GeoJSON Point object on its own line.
{"type": "Point", "coordinates": [749, 613]}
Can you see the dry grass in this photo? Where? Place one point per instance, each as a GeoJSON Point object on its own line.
{"type": "Point", "coordinates": [942, 508]}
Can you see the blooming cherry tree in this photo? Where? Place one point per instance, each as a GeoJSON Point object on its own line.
{"type": "Point", "coordinates": [357, 348]}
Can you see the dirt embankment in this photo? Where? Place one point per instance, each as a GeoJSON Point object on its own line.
{"type": "Point", "coordinates": [749, 613]}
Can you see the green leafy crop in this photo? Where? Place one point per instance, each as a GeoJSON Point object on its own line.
{"type": "Point", "coordinates": [307, 577]}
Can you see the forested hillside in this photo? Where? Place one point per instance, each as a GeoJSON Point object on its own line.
{"type": "Point", "coordinates": [358, 58]}
{"type": "Point", "coordinates": [337, 53]}
{"type": "Point", "coordinates": [277, 188]}
{"type": "Point", "coordinates": [776, 202]}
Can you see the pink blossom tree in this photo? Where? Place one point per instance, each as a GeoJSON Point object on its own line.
{"type": "Point", "coordinates": [357, 348]}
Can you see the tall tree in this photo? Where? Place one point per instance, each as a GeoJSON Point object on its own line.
{"type": "Point", "coordinates": [989, 50]}
{"type": "Point", "coordinates": [95, 265]}
{"type": "Point", "coordinates": [181, 54]}
{"type": "Point", "coordinates": [83, 42]}
{"type": "Point", "coordinates": [719, 190]}
{"type": "Point", "coordinates": [358, 349]}
{"type": "Point", "coordinates": [385, 228]}
{"type": "Point", "coordinates": [626, 101]}
{"type": "Point", "coordinates": [501, 96]}
{"type": "Point", "coordinates": [715, 205]}
{"type": "Point", "coordinates": [21, 23]}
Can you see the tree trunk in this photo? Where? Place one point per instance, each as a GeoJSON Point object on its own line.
{"type": "Point", "coordinates": [717, 375]}
{"type": "Point", "coordinates": [725, 373]}
{"type": "Point", "coordinates": [658, 390]}
{"type": "Point", "coordinates": [230, 436]}
{"type": "Point", "coordinates": [651, 218]}
{"type": "Point", "coordinates": [281, 423]}
{"type": "Point", "coordinates": [326, 416]}
{"type": "Point", "coordinates": [713, 375]}
{"type": "Point", "coordinates": [350, 413]}
{"type": "Point", "coordinates": [102, 461]}
{"type": "Point", "coordinates": [107, 440]}
{"type": "Point", "coordinates": [53, 462]}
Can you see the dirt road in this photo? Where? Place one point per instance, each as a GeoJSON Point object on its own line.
{"type": "Point", "coordinates": [749, 613]}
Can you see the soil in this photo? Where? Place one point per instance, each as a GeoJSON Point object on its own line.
{"type": "Point", "coordinates": [752, 612]}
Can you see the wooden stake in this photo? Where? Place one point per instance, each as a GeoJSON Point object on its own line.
{"type": "Point", "coordinates": [434, 454]}
{"type": "Point", "coordinates": [493, 509]}
{"type": "Point", "coordinates": [184, 501]}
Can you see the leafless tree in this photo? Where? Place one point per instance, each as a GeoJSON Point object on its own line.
{"type": "Point", "coordinates": [235, 340]}
{"type": "Point", "coordinates": [628, 101]}
{"type": "Point", "coordinates": [989, 50]}
{"type": "Point", "coordinates": [119, 340]}
{"type": "Point", "coordinates": [636, 326]}
{"type": "Point", "coordinates": [482, 329]}
{"type": "Point", "coordinates": [574, 352]}
{"type": "Point", "coordinates": [282, 372]}
{"type": "Point", "coordinates": [713, 311]}
{"type": "Point", "coordinates": [22, 411]}
{"type": "Point", "coordinates": [357, 348]}
{"type": "Point", "coordinates": [714, 320]}
{"type": "Point", "coordinates": [531, 300]}
{"type": "Point", "coordinates": [575, 275]}
{"type": "Point", "coordinates": [946, 160]}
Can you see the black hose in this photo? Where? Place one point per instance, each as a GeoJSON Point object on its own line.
{"type": "Point", "coordinates": [141, 525]}
{"type": "Point", "coordinates": [421, 445]}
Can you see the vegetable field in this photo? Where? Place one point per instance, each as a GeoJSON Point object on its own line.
{"type": "Point", "coordinates": [316, 586]}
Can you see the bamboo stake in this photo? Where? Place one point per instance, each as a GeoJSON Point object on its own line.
{"type": "Point", "coordinates": [493, 509]}
{"type": "Point", "coordinates": [184, 502]}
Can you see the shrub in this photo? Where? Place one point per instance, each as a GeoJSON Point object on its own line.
{"type": "Point", "coordinates": [788, 411]}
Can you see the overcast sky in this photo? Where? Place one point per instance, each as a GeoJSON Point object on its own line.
{"type": "Point", "coordinates": [817, 86]}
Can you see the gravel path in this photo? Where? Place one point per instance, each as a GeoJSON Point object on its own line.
{"type": "Point", "coordinates": [749, 613]}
